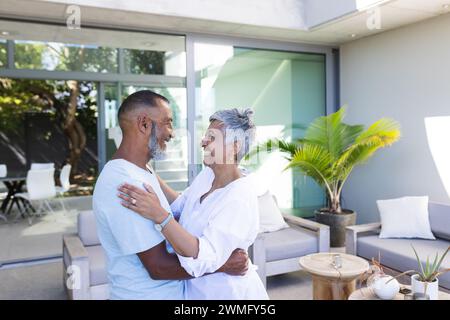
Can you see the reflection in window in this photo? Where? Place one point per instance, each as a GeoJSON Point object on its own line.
{"type": "Point", "coordinates": [154, 62]}
{"type": "Point", "coordinates": [286, 90]}
{"type": "Point", "coordinates": [36, 125]}
{"type": "Point", "coordinates": [64, 57]}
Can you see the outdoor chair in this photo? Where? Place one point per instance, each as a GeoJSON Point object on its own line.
{"type": "Point", "coordinates": [64, 179]}
{"type": "Point", "coordinates": [84, 262]}
{"type": "Point", "coordinates": [3, 173]}
{"type": "Point", "coordinates": [41, 166]}
{"type": "Point", "coordinates": [279, 251]}
{"type": "Point", "coordinates": [41, 188]}
{"type": "Point", "coordinates": [3, 170]}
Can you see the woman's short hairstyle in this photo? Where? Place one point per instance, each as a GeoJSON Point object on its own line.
{"type": "Point", "coordinates": [238, 127]}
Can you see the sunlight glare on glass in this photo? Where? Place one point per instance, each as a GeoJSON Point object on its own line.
{"type": "Point", "coordinates": [438, 133]}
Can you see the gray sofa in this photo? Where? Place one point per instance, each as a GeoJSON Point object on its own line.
{"type": "Point", "coordinates": [397, 254]}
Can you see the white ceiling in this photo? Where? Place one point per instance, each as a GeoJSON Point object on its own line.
{"type": "Point", "coordinates": [394, 14]}
{"type": "Point", "coordinates": [88, 36]}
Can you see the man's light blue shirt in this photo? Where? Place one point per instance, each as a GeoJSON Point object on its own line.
{"type": "Point", "coordinates": [124, 233]}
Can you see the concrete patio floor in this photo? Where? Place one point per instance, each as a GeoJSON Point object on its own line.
{"type": "Point", "coordinates": [44, 282]}
{"type": "Point", "coordinates": [21, 241]}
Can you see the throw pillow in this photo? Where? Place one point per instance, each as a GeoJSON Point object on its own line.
{"type": "Point", "coordinates": [405, 217]}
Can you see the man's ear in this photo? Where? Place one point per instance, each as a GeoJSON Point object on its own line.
{"type": "Point", "coordinates": [148, 122]}
{"type": "Point", "coordinates": [144, 123]}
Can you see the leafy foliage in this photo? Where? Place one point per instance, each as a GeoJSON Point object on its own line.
{"type": "Point", "coordinates": [430, 271]}
{"type": "Point", "coordinates": [144, 62]}
{"type": "Point", "coordinates": [331, 150]}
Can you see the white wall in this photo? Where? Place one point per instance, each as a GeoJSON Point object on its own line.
{"type": "Point", "coordinates": [403, 74]}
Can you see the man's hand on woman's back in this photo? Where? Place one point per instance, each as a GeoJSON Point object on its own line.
{"type": "Point", "coordinates": [237, 263]}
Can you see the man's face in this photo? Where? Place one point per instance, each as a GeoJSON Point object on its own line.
{"type": "Point", "coordinates": [161, 129]}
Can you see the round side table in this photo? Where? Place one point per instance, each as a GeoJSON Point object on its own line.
{"type": "Point", "coordinates": [329, 281]}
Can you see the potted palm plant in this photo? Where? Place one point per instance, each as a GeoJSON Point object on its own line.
{"type": "Point", "coordinates": [328, 153]}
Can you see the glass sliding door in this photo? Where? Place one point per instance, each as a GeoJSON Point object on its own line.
{"type": "Point", "coordinates": [286, 90]}
{"type": "Point", "coordinates": [60, 91]}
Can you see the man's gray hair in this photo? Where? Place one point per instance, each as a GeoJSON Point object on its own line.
{"type": "Point", "coordinates": [238, 127]}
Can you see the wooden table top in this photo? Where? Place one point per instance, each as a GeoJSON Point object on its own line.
{"type": "Point", "coordinates": [321, 264]}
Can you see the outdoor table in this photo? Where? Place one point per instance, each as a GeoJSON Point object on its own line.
{"type": "Point", "coordinates": [14, 185]}
{"type": "Point", "coordinates": [329, 281]}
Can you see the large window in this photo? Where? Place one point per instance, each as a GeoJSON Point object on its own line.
{"type": "Point", "coordinates": [286, 91]}
{"type": "Point", "coordinates": [64, 57]}
{"type": "Point", "coordinates": [59, 102]}
{"type": "Point", "coordinates": [88, 57]}
{"type": "Point", "coordinates": [48, 47]}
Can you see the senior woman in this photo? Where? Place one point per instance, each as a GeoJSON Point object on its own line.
{"type": "Point", "coordinates": [217, 214]}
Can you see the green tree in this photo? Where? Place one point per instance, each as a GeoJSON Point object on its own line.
{"type": "Point", "coordinates": [144, 62]}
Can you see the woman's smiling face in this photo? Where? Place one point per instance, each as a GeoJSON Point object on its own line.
{"type": "Point", "coordinates": [215, 150]}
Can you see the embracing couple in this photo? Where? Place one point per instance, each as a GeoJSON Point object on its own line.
{"type": "Point", "coordinates": [164, 245]}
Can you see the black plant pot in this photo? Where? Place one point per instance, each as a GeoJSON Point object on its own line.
{"type": "Point", "coordinates": [337, 224]}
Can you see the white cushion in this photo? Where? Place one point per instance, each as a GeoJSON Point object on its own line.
{"type": "Point", "coordinates": [270, 217]}
{"type": "Point", "coordinates": [405, 217]}
{"type": "Point", "coordinates": [87, 230]}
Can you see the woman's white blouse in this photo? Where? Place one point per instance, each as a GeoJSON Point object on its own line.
{"type": "Point", "coordinates": [225, 220]}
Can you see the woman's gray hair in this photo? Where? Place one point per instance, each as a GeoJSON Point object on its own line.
{"type": "Point", "coordinates": [238, 127]}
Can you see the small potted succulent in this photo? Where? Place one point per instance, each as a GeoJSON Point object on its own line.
{"type": "Point", "coordinates": [425, 280]}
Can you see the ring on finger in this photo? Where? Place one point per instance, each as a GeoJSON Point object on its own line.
{"type": "Point", "coordinates": [133, 201]}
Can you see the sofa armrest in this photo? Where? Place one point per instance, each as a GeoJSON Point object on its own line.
{"type": "Point", "coordinates": [74, 247]}
{"type": "Point", "coordinates": [351, 235]}
{"type": "Point", "coordinates": [304, 223]}
{"type": "Point", "coordinates": [258, 256]}
{"type": "Point", "coordinates": [75, 268]}
{"type": "Point", "coordinates": [323, 231]}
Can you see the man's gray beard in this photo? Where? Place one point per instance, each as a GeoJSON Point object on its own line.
{"type": "Point", "coordinates": [155, 150]}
